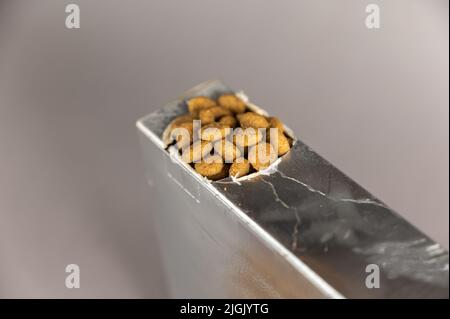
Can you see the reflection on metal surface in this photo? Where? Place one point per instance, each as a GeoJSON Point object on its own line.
{"type": "Point", "coordinates": [300, 229]}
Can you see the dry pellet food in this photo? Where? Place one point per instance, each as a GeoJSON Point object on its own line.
{"type": "Point", "coordinates": [183, 133]}
{"type": "Point", "coordinates": [282, 144]}
{"type": "Point", "coordinates": [211, 114]}
{"type": "Point", "coordinates": [212, 167]}
{"type": "Point", "coordinates": [247, 137]}
{"type": "Point", "coordinates": [197, 151]}
{"type": "Point", "coordinates": [252, 119]}
{"type": "Point", "coordinates": [181, 119]}
{"type": "Point", "coordinates": [228, 120]}
{"type": "Point", "coordinates": [232, 103]}
{"type": "Point", "coordinates": [214, 131]}
{"type": "Point", "coordinates": [239, 168]}
{"type": "Point", "coordinates": [262, 155]}
{"type": "Point", "coordinates": [228, 132]}
{"type": "Point", "coordinates": [198, 103]}
{"type": "Point", "coordinates": [276, 123]}
{"type": "Point", "coordinates": [227, 150]}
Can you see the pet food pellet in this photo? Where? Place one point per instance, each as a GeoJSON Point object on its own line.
{"type": "Point", "coordinates": [247, 137]}
{"type": "Point", "coordinates": [227, 150]}
{"type": "Point", "coordinates": [214, 132]}
{"type": "Point", "coordinates": [276, 123]}
{"type": "Point", "coordinates": [239, 168]}
{"type": "Point", "coordinates": [228, 120]}
{"type": "Point", "coordinates": [211, 114]}
{"type": "Point", "coordinates": [212, 168]}
{"type": "Point", "coordinates": [232, 103]}
{"type": "Point", "coordinates": [252, 119]}
{"type": "Point", "coordinates": [261, 159]}
{"type": "Point", "coordinates": [183, 138]}
{"type": "Point", "coordinates": [283, 146]}
{"type": "Point", "coordinates": [197, 151]}
{"type": "Point", "coordinates": [198, 103]}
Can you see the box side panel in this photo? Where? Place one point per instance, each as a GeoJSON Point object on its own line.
{"type": "Point", "coordinates": [207, 251]}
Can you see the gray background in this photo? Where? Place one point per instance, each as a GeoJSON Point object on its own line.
{"type": "Point", "coordinates": [72, 189]}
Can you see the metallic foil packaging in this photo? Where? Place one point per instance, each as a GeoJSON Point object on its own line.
{"type": "Point", "coordinates": [301, 229]}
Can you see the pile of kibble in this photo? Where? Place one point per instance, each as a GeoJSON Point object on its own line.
{"type": "Point", "coordinates": [217, 153]}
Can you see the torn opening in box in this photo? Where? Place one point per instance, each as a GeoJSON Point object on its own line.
{"type": "Point", "coordinates": [224, 140]}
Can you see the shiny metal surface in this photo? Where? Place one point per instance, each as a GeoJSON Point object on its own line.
{"type": "Point", "coordinates": [304, 230]}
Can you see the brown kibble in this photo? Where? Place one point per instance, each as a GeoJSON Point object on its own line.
{"type": "Point", "coordinates": [247, 137]}
{"type": "Point", "coordinates": [180, 136]}
{"type": "Point", "coordinates": [276, 123]}
{"type": "Point", "coordinates": [228, 120]}
{"type": "Point", "coordinates": [239, 168]}
{"type": "Point", "coordinates": [252, 119]}
{"type": "Point", "coordinates": [262, 155]}
{"type": "Point", "coordinates": [214, 132]}
{"type": "Point", "coordinates": [223, 173]}
{"type": "Point", "coordinates": [227, 150]}
{"type": "Point", "coordinates": [212, 168]}
{"type": "Point", "coordinates": [181, 119]}
{"type": "Point", "coordinates": [198, 103]}
{"type": "Point", "coordinates": [283, 146]}
{"type": "Point", "coordinates": [232, 103]}
{"type": "Point", "coordinates": [197, 151]}
{"type": "Point", "coordinates": [211, 114]}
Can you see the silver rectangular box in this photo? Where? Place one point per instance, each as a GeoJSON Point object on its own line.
{"type": "Point", "coordinates": [301, 230]}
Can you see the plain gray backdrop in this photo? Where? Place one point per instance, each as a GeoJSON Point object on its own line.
{"type": "Point", "coordinates": [72, 188]}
